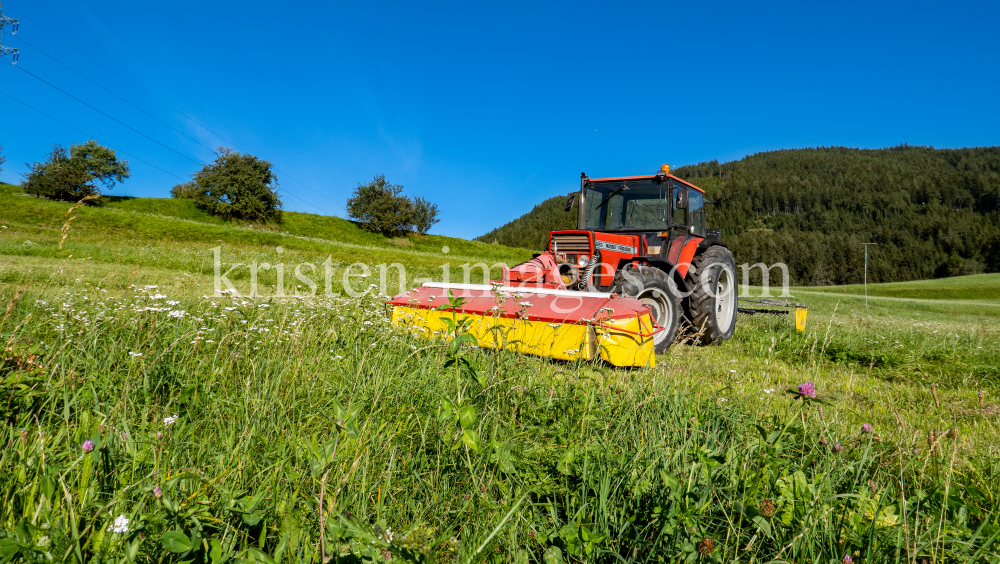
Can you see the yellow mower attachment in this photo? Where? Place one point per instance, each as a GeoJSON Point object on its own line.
{"type": "Point", "coordinates": [561, 324]}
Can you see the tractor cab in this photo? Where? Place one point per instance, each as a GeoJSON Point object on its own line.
{"type": "Point", "coordinates": [656, 217]}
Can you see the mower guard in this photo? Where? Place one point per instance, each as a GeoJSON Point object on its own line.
{"type": "Point", "coordinates": [541, 321]}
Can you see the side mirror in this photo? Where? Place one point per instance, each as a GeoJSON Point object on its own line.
{"type": "Point", "coordinates": [682, 200]}
{"type": "Point", "coordinates": [570, 201]}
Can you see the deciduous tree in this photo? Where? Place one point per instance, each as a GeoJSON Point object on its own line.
{"type": "Point", "coordinates": [70, 175]}
{"type": "Point", "coordinates": [239, 186]}
{"type": "Point", "coordinates": [424, 214]}
{"type": "Point", "coordinates": [381, 207]}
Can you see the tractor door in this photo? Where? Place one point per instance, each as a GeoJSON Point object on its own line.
{"type": "Point", "coordinates": [687, 227]}
{"type": "Point", "coordinates": [671, 247]}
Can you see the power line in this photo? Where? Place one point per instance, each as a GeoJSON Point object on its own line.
{"type": "Point", "coordinates": [120, 150]}
{"type": "Point", "coordinates": [196, 122]}
{"type": "Point", "coordinates": [109, 116]}
{"type": "Point", "coordinates": [89, 136]}
{"type": "Point", "coordinates": [21, 39]}
{"type": "Point", "coordinates": [139, 132]}
{"type": "Point", "coordinates": [150, 94]}
{"type": "Point", "coordinates": [866, 245]}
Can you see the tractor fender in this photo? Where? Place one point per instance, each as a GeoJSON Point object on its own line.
{"type": "Point", "coordinates": [661, 264]}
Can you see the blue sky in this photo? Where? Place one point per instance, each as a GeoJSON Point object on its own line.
{"type": "Point", "coordinates": [489, 109]}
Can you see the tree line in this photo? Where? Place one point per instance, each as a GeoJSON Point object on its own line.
{"type": "Point", "coordinates": [235, 186]}
{"type": "Point", "coordinates": [932, 212]}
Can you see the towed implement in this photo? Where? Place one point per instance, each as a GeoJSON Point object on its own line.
{"type": "Point", "coordinates": [639, 270]}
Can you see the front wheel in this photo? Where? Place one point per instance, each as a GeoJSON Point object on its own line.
{"type": "Point", "coordinates": [654, 288]}
{"type": "Point", "coordinates": [713, 302]}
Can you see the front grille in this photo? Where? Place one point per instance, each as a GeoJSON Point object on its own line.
{"type": "Point", "coordinates": [573, 243]}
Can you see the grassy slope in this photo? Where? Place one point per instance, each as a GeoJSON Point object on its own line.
{"type": "Point", "coordinates": [127, 231]}
{"type": "Point", "coordinates": [262, 378]}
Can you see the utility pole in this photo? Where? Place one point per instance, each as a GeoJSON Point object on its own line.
{"type": "Point", "coordinates": [4, 50]}
{"type": "Point", "coordinates": [866, 245]}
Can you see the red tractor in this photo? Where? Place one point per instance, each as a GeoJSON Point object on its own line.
{"type": "Point", "coordinates": [645, 237]}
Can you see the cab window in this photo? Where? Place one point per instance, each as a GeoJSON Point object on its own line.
{"type": "Point", "coordinates": [696, 207]}
{"type": "Point", "coordinates": [680, 217]}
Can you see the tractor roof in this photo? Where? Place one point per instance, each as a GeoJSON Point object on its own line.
{"type": "Point", "coordinates": [647, 177]}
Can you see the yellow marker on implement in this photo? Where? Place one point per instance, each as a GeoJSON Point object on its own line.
{"type": "Point", "coordinates": [800, 318]}
{"type": "Point", "coordinates": [775, 307]}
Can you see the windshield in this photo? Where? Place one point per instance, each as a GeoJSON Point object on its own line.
{"type": "Point", "coordinates": [630, 204]}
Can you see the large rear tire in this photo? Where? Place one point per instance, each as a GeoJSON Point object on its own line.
{"type": "Point", "coordinates": [712, 304]}
{"type": "Point", "coordinates": [654, 288]}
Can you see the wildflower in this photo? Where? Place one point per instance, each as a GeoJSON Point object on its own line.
{"type": "Point", "coordinates": [168, 421]}
{"type": "Point", "coordinates": [837, 448]}
{"type": "Point", "coordinates": [847, 559]}
{"type": "Point", "coordinates": [43, 541]}
{"type": "Point", "coordinates": [120, 525]}
{"type": "Point", "coordinates": [159, 434]}
{"type": "Point", "coordinates": [807, 390]}
{"type": "Point", "coordinates": [88, 445]}
{"type": "Point", "coordinates": [766, 507]}
{"type": "Point", "coordinates": [135, 354]}
{"type": "Point", "coordinates": [866, 428]}
{"type": "Point", "coordinates": [551, 391]}
{"type": "Point", "coordinates": [157, 492]}
{"type": "Point", "coordinates": [694, 419]}
{"type": "Point", "coordinates": [706, 546]}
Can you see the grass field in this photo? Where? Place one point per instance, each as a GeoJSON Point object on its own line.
{"type": "Point", "coordinates": [281, 429]}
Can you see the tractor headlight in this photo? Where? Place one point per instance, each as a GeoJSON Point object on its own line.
{"type": "Point", "coordinates": [582, 261]}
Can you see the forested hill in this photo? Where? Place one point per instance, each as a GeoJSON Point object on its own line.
{"type": "Point", "coordinates": [933, 212]}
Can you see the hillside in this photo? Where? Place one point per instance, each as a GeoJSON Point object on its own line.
{"type": "Point", "coordinates": [531, 230]}
{"type": "Point", "coordinates": [933, 212]}
{"type": "Point", "coordinates": [176, 235]}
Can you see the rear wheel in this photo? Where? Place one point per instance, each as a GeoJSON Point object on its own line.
{"type": "Point", "coordinates": [713, 302]}
{"type": "Point", "coordinates": [654, 288]}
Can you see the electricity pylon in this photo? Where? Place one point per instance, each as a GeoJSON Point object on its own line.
{"type": "Point", "coordinates": [5, 21]}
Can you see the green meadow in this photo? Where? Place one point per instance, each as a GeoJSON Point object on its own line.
{"type": "Point", "coordinates": [144, 421]}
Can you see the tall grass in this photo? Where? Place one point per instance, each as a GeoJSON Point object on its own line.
{"type": "Point", "coordinates": [218, 426]}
